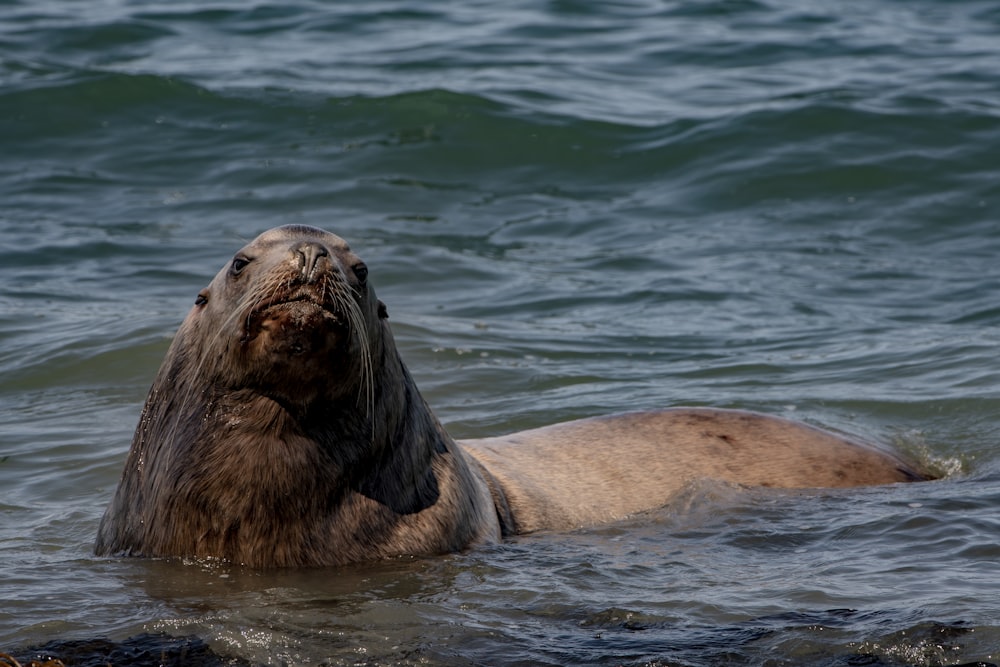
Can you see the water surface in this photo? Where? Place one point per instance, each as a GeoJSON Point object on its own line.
{"type": "Point", "coordinates": [570, 209]}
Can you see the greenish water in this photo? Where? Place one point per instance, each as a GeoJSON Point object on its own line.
{"type": "Point", "coordinates": [570, 209]}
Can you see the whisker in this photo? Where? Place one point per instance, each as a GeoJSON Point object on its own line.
{"type": "Point", "coordinates": [333, 290]}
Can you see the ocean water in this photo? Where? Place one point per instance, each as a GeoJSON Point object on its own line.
{"type": "Point", "coordinates": [570, 209]}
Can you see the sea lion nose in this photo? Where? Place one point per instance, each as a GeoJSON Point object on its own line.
{"type": "Point", "coordinates": [309, 254]}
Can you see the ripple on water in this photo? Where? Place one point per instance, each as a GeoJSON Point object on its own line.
{"type": "Point", "coordinates": [569, 209]}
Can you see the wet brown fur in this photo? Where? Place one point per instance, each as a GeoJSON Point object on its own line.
{"type": "Point", "coordinates": [299, 440]}
{"type": "Point", "coordinates": [283, 429]}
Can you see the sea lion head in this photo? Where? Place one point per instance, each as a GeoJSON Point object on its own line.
{"type": "Point", "coordinates": [292, 316]}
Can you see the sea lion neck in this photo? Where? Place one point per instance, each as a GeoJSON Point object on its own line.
{"type": "Point", "coordinates": [387, 451]}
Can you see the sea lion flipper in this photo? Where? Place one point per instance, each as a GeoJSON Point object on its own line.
{"type": "Point", "coordinates": [392, 485]}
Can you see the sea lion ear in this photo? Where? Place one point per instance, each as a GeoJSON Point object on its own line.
{"type": "Point", "coordinates": [383, 313]}
{"type": "Point", "coordinates": [202, 298]}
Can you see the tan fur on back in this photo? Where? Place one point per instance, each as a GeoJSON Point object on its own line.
{"type": "Point", "coordinates": [595, 470]}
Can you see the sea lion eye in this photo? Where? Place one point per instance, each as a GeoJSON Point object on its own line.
{"type": "Point", "coordinates": [361, 271]}
{"type": "Point", "coordinates": [239, 263]}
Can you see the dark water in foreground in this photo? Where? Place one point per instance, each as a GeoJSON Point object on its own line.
{"type": "Point", "coordinates": [570, 209]}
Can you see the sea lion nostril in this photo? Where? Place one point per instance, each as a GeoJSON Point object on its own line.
{"type": "Point", "coordinates": [310, 253]}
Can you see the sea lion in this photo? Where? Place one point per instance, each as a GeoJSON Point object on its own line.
{"type": "Point", "coordinates": [283, 429]}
